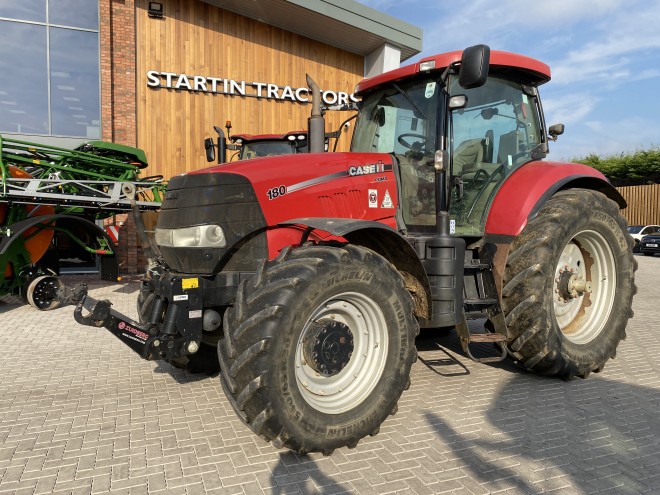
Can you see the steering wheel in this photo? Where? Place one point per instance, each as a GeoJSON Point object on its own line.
{"type": "Point", "coordinates": [480, 178]}
{"type": "Point", "coordinates": [403, 142]}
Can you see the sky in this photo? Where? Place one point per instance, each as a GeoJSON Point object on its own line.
{"type": "Point", "coordinates": [604, 56]}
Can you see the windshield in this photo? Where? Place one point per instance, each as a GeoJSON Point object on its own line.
{"type": "Point", "coordinates": [635, 229]}
{"type": "Point", "coordinates": [266, 148]}
{"type": "Point", "coordinates": [400, 118]}
{"type": "Point", "coordinates": [490, 137]}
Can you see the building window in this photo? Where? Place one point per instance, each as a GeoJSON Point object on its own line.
{"type": "Point", "coordinates": [49, 68]}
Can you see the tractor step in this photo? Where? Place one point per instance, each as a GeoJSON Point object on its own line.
{"type": "Point", "coordinates": [468, 338]}
{"type": "Point", "coordinates": [481, 301]}
{"type": "Point", "coordinates": [487, 337]}
{"type": "Point", "coordinates": [477, 266]}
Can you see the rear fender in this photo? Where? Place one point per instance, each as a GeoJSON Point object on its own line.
{"type": "Point", "coordinates": [528, 188]}
{"type": "Point", "coordinates": [379, 237]}
{"type": "Point", "coordinates": [521, 197]}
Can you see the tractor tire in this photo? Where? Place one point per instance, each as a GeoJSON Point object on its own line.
{"type": "Point", "coordinates": [318, 347]}
{"type": "Point", "coordinates": [568, 286]}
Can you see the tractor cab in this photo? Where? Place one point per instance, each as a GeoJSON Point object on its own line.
{"type": "Point", "coordinates": [486, 133]}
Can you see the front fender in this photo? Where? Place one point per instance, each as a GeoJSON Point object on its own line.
{"type": "Point", "coordinates": [379, 237]}
{"type": "Point", "coordinates": [528, 188]}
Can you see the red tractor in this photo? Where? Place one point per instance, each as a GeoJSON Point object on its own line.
{"type": "Point", "coordinates": [247, 146]}
{"type": "Point", "coordinates": [312, 276]}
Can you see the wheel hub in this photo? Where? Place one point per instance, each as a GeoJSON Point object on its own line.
{"type": "Point", "coordinates": [584, 287]}
{"type": "Point", "coordinates": [328, 346]}
{"type": "Point", "coordinates": [571, 285]}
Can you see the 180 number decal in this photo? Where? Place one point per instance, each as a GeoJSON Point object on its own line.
{"type": "Point", "coordinates": [276, 192]}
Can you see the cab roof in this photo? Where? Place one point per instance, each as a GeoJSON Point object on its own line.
{"type": "Point", "coordinates": [528, 69]}
{"type": "Point", "coordinates": [289, 136]}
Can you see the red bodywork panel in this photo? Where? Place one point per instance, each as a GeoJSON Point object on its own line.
{"type": "Point", "coordinates": [521, 192]}
{"type": "Point", "coordinates": [342, 185]}
{"type": "Point", "coordinates": [536, 72]}
{"type": "Point", "coordinates": [325, 185]}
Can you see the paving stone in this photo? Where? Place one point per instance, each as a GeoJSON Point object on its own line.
{"type": "Point", "coordinates": [82, 414]}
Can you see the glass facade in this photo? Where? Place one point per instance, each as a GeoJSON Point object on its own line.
{"type": "Point", "coordinates": [49, 68]}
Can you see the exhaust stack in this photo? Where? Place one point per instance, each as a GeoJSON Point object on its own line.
{"type": "Point", "coordinates": [316, 122]}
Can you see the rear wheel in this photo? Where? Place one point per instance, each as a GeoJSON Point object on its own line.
{"type": "Point", "coordinates": [568, 285]}
{"type": "Point", "coordinates": [318, 347]}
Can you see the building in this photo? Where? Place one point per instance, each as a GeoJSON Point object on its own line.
{"type": "Point", "coordinates": [160, 75]}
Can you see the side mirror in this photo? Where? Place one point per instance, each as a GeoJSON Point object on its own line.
{"type": "Point", "coordinates": [556, 130]}
{"type": "Point", "coordinates": [474, 66]}
{"type": "Point", "coordinates": [209, 145]}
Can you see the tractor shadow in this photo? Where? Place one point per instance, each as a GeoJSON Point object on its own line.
{"type": "Point", "coordinates": [183, 376]}
{"type": "Point", "coordinates": [540, 433]}
{"type": "Point", "coordinates": [441, 352]}
{"type": "Point", "coordinates": [295, 473]}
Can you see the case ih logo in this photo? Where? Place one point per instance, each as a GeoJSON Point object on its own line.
{"type": "Point", "coordinates": [375, 168]}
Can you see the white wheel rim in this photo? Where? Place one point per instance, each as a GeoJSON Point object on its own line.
{"type": "Point", "coordinates": [588, 256]}
{"type": "Point", "coordinates": [357, 379]}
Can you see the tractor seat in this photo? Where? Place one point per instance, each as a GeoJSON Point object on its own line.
{"type": "Point", "coordinates": [469, 159]}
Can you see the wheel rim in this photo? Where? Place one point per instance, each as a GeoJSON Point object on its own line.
{"type": "Point", "coordinates": [584, 287]}
{"type": "Point", "coordinates": [361, 355]}
{"type": "Point", "coordinates": [42, 292]}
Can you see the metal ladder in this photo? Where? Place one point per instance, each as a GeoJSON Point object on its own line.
{"type": "Point", "coordinates": [483, 302]}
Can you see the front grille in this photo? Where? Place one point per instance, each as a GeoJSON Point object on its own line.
{"type": "Point", "coordinates": [223, 199]}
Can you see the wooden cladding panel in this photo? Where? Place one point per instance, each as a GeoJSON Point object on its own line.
{"type": "Point", "coordinates": [195, 38]}
{"type": "Point", "coordinates": [643, 204]}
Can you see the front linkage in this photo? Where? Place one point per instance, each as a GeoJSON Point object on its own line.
{"type": "Point", "coordinates": [166, 334]}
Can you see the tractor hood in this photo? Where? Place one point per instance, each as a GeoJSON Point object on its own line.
{"type": "Point", "coordinates": [346, 185]}
{"type": "Point", "coordinates": [216, 218]}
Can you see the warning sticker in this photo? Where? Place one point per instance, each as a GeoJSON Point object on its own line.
{"type": "Point", "coordinates": [189, 283]}
{"type": "Point", "coordinates": [387, 201]}
{"type": "Point", "coordinates": [373, 198]}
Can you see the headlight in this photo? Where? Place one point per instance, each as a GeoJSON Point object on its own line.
{"type": "Point", "coordinates": [204, 236]}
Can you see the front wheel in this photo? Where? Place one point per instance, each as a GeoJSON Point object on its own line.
{"type": "Point", "coordinates": [318, 347]}
{"type": "Point", "coordinates": [569, 284]}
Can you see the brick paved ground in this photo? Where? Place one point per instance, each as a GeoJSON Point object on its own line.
{"type": "Point", "coordinates": [80, 413]}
